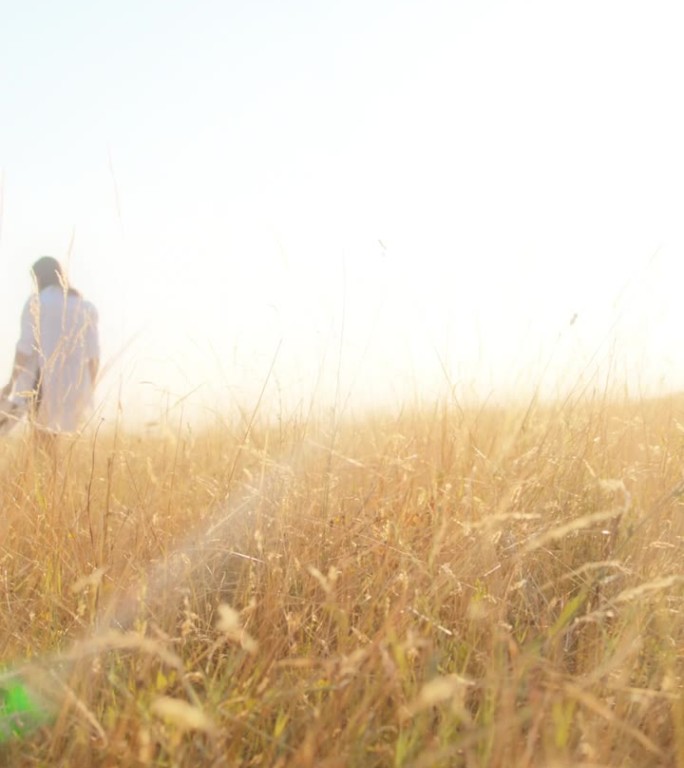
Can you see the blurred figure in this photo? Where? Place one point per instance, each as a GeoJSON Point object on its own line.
{"type": "Point", "coordinates": [57, 356]}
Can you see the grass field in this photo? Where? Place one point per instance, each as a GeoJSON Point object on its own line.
{"type": "Point", "coordinates": [491, 587]}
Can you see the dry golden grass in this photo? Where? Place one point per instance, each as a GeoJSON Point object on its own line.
{"type": "Point", "coordinates": [444, 588]}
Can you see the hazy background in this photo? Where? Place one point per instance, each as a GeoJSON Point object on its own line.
{"type": "Point", "coordinates": [390, 199]}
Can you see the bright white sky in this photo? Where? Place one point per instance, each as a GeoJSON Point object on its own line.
{"type": "Point", "coordinates": [410, 192]}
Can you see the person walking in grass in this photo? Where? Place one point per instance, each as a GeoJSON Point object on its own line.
{"type": "Point", "coordinates": [58, 353]}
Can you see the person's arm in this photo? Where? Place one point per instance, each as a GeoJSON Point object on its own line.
{"type": "Point", "coordinates": [93, 344]}
{"type": "Point", "coordinates": [23, 357]}
{"type": "Point", "coordinates": [21, 363]}
{"type": "Point", "coordinates": [93, 367]}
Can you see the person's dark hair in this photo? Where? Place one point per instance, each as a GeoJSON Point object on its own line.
{"type": "Point", "coordinates": [48, 271]}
